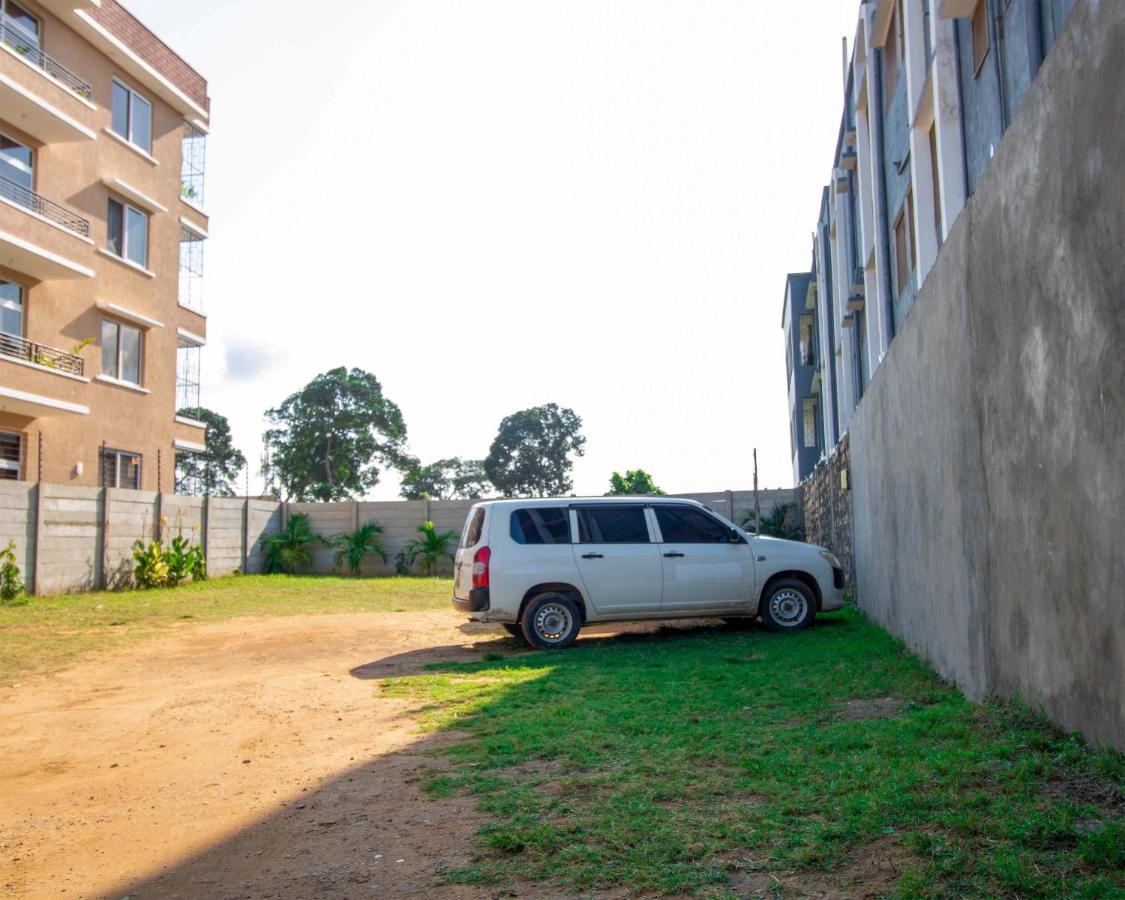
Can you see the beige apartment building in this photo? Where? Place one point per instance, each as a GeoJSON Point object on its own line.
{"type": "Point", "coordinates": [102, 136]}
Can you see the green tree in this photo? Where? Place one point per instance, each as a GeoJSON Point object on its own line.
{"type": "Point", "coordinates": [353, 547]}
{"type": "Point", "coordinates": [532, 450]}
{"type": "Point", "coordinates": [428, 548]}
{"type": "Point", "coordinates": [634, 481]}
{"type": "Point", "coordinates": [215, 471]}
{"type": "Point", "coordinates": [289, 550]}
{"type": "Point", "coordinates": [446, 479]}
{"type": "Point", "coordinates": [328, 439]}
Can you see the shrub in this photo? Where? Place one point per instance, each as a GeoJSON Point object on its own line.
{"type": "Point", "coordinates": [151, 569]}
{"type": "Point", "coordinates": [782, 521]}
{"type": "Point", "coordinates": [288, 550]}
{"type": "Point", "coordinates": [158, 565]}
{"type": "Point", "coordinates": [11, 584]}
{"type": "Point", "coordinates": [428, 548]}
{"type": "Point", "coordinates": [353, 547]}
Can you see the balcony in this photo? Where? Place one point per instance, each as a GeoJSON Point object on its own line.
{"type": "Point", "coordinates": [41, 206]}
{"type": "Point", "coordinates": [27, 46]}
{"type": "Point", "coordinates": [12, 347]}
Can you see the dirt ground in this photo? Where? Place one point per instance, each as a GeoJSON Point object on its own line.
{"type": "Point", "coordinates": [253, 758]}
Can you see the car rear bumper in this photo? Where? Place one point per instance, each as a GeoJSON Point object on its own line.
{"type": "Point", "coordinates": [477, 601]}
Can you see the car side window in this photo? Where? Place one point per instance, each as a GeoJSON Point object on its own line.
{"type": "Point", "coordinates": [612, 525]}
{"type": "Point", "coordinates": [685, 525]}
{"type": "Point", "coordinates": [543, 525]}
{"type": "Point", "coordinates": [473, 529]}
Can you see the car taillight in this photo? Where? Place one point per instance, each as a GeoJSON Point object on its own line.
{"type": "Point", "coordinates": [480, 567]}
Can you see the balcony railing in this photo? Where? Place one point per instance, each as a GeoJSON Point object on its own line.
{"type": "Point", "coordinates": [28, 47]}
{"type": "Point", "coordinates": [21, 196]}
{"type": "Point", "coordinates": [29, 351]}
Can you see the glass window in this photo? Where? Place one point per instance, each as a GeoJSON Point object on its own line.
{"type": "Point", "coordinates": [11, 308]}
{"type": "Point", "coordinates": [131, 117]}
{"type": "Point", "coordinates": [115, 228]}
{"type": "Point", "coordinates": [121, 469]}
{"type": "Point", "coordinates": [809, 430]}
{"type": "Point", "coordinates": [22, 33]}
{"type": "Point", "coordinates": [548, 525]}
{"type": "Point", "coordinates": [980, 35]}
{"type": "Point", "coordinates": [684, 525]}
{"type": "Point", "coordinates": [16, 162]}
{"type": "Point", "coordinates": [612, 525]}
{"type": "Point", "coordinates": [136, 236]}
{"type": "Point", "coordinates": [473, 529]}
{"type": "Point", "coordinates": [9, 456]}
{"type": "Point", "coordinates": [121, 351]}
{"type": "Point", "coordinates": [119, 121]}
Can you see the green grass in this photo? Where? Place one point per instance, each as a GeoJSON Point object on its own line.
{"type": "Point", "coordinates": [664, 762]}
{"type": "Point", "coordinates": [48, 633]}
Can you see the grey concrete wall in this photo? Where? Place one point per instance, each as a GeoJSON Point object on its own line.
{"type": "Point", "coordinates": [988, 454]}
{"type": "Point", "coordinates": [81, 538]}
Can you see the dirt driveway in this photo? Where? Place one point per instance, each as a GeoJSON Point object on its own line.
{"type": "Point", "coordinates": [252, 758]}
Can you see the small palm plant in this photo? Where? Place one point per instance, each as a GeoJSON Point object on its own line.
{"type": "Point", "coordinates": [428, 548]}
{"type": "Point", "coordinates": [353, 547]}
{"type": "Point", "coordinates": [776, 523]}
{"type": "Point", "coordinates": [288, 550]}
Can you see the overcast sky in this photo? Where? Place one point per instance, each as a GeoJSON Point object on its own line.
{"type": "Point", "coordinates": [500, 203]}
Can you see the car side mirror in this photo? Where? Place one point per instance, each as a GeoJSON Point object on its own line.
{"type": "Point", "coordinates": [735, 537]}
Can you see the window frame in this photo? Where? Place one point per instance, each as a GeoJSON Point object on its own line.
{"type": "Point", "coordinates": [126, 206]}
{"type": "Point", "coordinates": [904, 220]}
{"type": "Point", "coordinates": [895, 42]}
{"type": "Point", "coordinates": [117, 376]}
{"type": "Point", "coordinates": [513, 523]}
{"type": "Point", "coordinates": [117, 455]}
{"type": "Point", "coordinates": [808, 430]}
{"type": "Point", "coordinates": [687, 507]}
{"type": "Point", "coordinates": [8, 465]}
{"type": "Point", "coordinates": [130, 94]}
{"type": "Point", "coordinates": [38, 36]}
{"type": "Point", "coordinates": [980, 54]}
{"type": "Point", "coordinates": [576, 527]}
{"type": "Point", "coordinates": [21, 296]}
{"type": "Point", "coordinates": [32, 153]}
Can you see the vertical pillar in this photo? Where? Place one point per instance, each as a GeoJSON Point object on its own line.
{"type": "Point", "coordinates": [245, 535]}
{"type": "Point", "coordinates": [37, 545]}
{"type": "Point", "coordinates": [205, 536]}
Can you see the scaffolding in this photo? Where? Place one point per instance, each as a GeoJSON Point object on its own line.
{"type": "Point", "coordinates": [187, 375]}
{"type": "Point", "coordinates": [191, 269]}
{"type": "Point", "coordinates": [194, 157]}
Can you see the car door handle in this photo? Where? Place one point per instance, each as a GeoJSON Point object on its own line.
{"type": "Point", "coordinates": [673, 554]}
{"type": "Point", "coordinates": [592, 556]}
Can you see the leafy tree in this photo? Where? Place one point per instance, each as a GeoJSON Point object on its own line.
{"type": "Point", "coordinates": [634, 481]}
{"type": "Point", "coordinates": [428, 548]}
{"type": "Point", "coordinates": [531, 452]}
{"type": "Point", "coordinates": [353, 547]}
{"type": "Point", "coordinates": [288, 550]}
{"type": "Point", "coordinates": [446, 479]}
{"type": "Point", "coordinates": [215, 471]}
{"type": "Point", "coordinates": [781, 521]}
{"type": "Point", "coordinates": [327, 440]}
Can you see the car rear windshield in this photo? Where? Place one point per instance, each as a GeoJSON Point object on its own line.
{"type": "Point", "coordinates": [542, 525]}
{"type": "Point", "coordinates": [470, 537]}
{"type": "Point", "coordinates": [612, 525]}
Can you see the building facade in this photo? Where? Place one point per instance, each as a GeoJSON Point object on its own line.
{"type": "Point", "coordinates": [929, 91]}
{"type": "Point", "coordinates": [102, 136]}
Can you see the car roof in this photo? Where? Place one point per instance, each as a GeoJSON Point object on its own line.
{"type": "Point", "coordinates": [523, 503]}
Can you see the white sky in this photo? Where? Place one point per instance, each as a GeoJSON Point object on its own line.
{"type": "Point", "coordinates": [501, 203]}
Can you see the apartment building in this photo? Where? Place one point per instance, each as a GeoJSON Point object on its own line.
{"type": "Point", "coordinates": [929, 91]}
{"type": "Point", "coordinates": [102, 138]}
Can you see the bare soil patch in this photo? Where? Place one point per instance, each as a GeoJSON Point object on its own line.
{"type": "Point", "coordinates": [880, 708]}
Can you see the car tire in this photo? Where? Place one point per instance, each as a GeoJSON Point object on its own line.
{"type": "Point", "coordinates": [551, 621]}
{"type": "Point", "coordinates": [514, 630]}
{"type": "Point", "coordinates": [787, 605]}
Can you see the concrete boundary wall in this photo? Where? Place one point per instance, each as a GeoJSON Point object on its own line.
{"type": "Point", "coordinates": [81, 538]}
{"type": "Point", "coordinates": [988, 453]}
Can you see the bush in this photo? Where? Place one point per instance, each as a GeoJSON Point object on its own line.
{"type": "Point", "coordinates": [158, 565]}
{"type": "Point", "coordinates": [288, 550]}
{"type": "Point", "coordinates": [352, 547]}
{"type": "Point", "coordinates": [11, 584]}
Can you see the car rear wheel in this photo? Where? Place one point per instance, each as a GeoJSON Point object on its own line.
{"type": "Point", "coordinates": [787, 606]}
{"type": "Point", "coordinates": [551, 621]}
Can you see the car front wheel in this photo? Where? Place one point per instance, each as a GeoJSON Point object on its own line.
{"type": "Point", "coordinates": [787, 606]}
{"type": "Point", "coordinates": [551, 621]}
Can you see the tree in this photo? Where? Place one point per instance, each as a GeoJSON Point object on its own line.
{"type": "Point", "coordinates": [634, 481]}
{"type": "Point", "coordinates": [328, 439]}
{"type": "Point", "coordinates": [446, 479]}
{"type": "Point", "coordinates": [288, 550]}
{"type": "Point", "coordinates": [429, 547]}
{"type": "Point", "coordinates": [531, 452]}
{"type": "Point", "coordinates": [353, 547]}
{"type": "Point", "coordinates": [216, 470]}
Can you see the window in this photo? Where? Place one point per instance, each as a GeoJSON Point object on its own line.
{"type": "Point", "coordinates": [805, 326]}
{"type": "Point", "coordinates": [980, 35]}
{"type": "Point", "coordinates": [193, 154]}
{"type": "Point", "coordinates": [549, 525]}
{"type": "Point", "coordinates": [810, 423]}
{"type": "Point", "coordinates": [127, 232]}
{"type": "Point", "coordinates": [935, 174]}
{"type": "Point", "coordinates": [16, 164]}
{"type": "Point", "coordinates": [11, 308]}
{"type": "Point", "coordinates": [21, 29]}
{"type": "Point", "coordinates": [904, 245]}
{"type": "Point", "coordinates": [473, 529]}
{"type": "Point", "coordinates": [9, 456]}
{"type": "Point", "coordinates": [131, 116]}
{"type": "Point", "coordinates": [612, 525]}
{"type": "Point", "coordinates": [684, 525]}
{"type": "Point", "coordinates": [121, 469]}
{"type": "Point", "coordinates": [892, 55]}
{"type": "Point", "coordinates": [191, 269]}
{"type": "Point", "coordinates": [121, 351]}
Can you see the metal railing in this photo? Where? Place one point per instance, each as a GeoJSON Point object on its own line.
{"type": "Point", "coordinates": [29, 351]}
{"type": "Point", "coordinates": [27, 46]}
{"type": "Point", "coordinates": [48, 209]}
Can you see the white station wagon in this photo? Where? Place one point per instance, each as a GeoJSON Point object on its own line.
{"type": "Point", "coordinates": [545, 568]}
